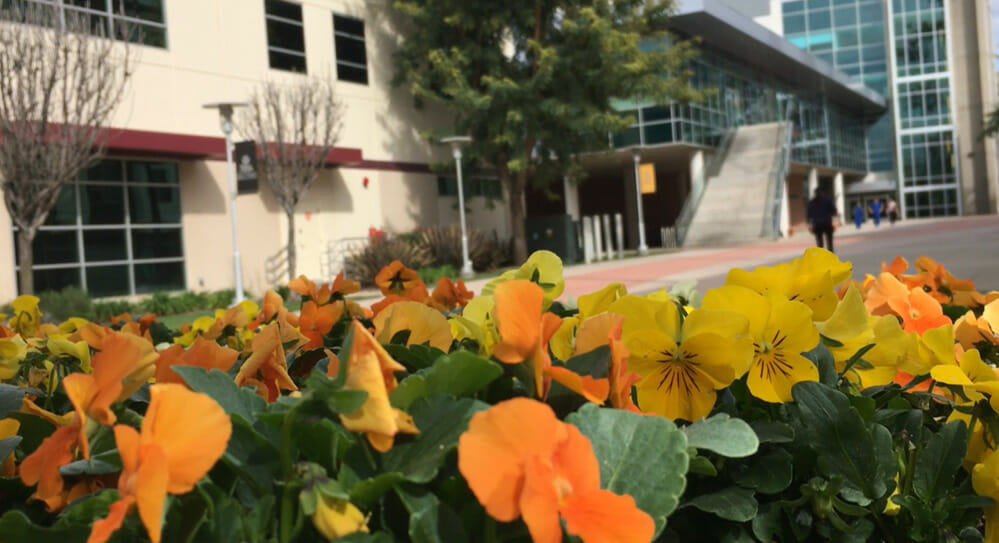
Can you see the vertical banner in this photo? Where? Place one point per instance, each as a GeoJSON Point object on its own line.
{"type": "Point", "coordinates": [245, 157]}
{"type": "Point", "coordinates": [647, 178]}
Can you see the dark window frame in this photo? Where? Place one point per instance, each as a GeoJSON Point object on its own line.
{"type": "Point", "coordinates": [352, 70]}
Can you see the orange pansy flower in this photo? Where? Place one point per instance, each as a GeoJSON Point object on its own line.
{"type": "Point", "coordinates": [621, 380]}
{"type": "Point", "coordinates": [266, 367]}
{"type": "Point", "coordinates": [327, 292]}
{"type": "Point", "coordinates": [183, 434]}
{"type": "Point", "coordinates": [316, 321]}
{"type": "Point", "coordinates": [918, 310]}
{"type": "Point", "coordinates": [399, 280]}
{"type": "Point", "coordinates": [370, 368]}
{"type": "Point", "coordinates": [521, 461]}
{"type": "Point", "coordinates": [447, 295]}
{"type": "Point", "coordinates": [202, 353]}
{"type": "Point", "coordinates": [525, 332]}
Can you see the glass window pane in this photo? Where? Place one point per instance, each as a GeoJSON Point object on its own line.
{"type": "Point", "coordinates": [158, 277]}
{"type": "Point", "coordinates": [107, 280]}
{"type": "Point", "coordinates": [288, 10]}
{"type": "Point", "coordinates": [64, 211]}
{"type": "Point", "coordinates": [102, 204]}
{"type": "Point", "coordinates": [847, 37]}
{"type": "Point", "coordinates": [56, 279]}
{"type": "Point", "coordinates": [105, 170]}
{"type": "Point", "coordinates": [845, 16]}
{"type": "Point", "coordinates": [351, 73]}
{"type": "Point", "coordinates": [285, 35]}
{"type": "Point", "coordinates": [156, 243]}
{"type": "Point", "coordinates": [819, 20]}
{"type": "Point", "coordinates": [152, 172]}
{"type": "Point", "coordinates": [52, 247]}
{"type": "Point", "coordinates": [871, 12]}
{"type": "Point", "coordinates": [149, 10]}
{"type": "Point", "coordinates": [284, 61]}
{"type": "Point", "coordinates": [140, 33]}
{"type": "Point", "coordinates": [349, 25]}
{"type": "Point", "coordinates": [351, 50]}
{"type": "Point", "coordinates": [796, 5]}
{"type": "Point", "coordinates": [101, 245]}
{"type": "Point", "coordinates": [794, 24]}
{"type": "Point", "coordinates": [153, 205]}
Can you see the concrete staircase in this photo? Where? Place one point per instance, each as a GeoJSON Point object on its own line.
{"type": "Point", "coordinates": [734, 202]}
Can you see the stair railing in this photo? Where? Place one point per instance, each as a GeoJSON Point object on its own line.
{"type": "Point", "coordinates": [711, 169]}
{"type": "Point", "coordinates": [778, 174]}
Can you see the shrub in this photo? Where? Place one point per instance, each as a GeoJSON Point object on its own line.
{"type": "Point", "coordinates": [432, 274]}
{"type": "Point", "coordinates": [68, 302]}
{"type": "Point", "coordinates": [365, 263]}
{"type": "Point", "coordinates": [104, 310]}
{"type": "Point", "coordinates": [443, 244]}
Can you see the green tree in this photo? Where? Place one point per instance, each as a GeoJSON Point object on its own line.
{"type": "Point", "coordinates": [533, 81]}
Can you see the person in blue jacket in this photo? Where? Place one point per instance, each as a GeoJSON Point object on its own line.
{"type": "Point", "coordinates": [858, 215]}
{"type": "Point", "coordinates": [875, 208]}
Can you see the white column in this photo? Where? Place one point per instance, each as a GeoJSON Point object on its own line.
{"type": "Point", "coordinates": [785, 211]}
{"type": "Point", "coordinates": [840, 195]}
{"type": "Point", "coordinates": [619, 233]}
{"type": "Point", "coordinates": [597, 239]}
{"type": "Point", "coordinates": [571, 191]}
{"type": "Point", "coordinates": [588, 245]}
{"type": "Point", "coordinates": [608, 236]}
{"type": "Point", "coordinates": [697, 173]}
{"type": "Point", "coordinates": [813, 183]}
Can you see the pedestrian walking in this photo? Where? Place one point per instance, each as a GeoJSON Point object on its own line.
{"type": "Point", "coordinates": [822, 213]}
{"type": "Point", "coordinates": [875, 209]}
{"type": "Point", "coordinates": [892, 210]}
{"type": "Point", "coordinates": [858, 215]}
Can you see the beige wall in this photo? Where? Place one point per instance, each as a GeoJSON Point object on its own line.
{"type": "Point", "coordinates": [974, 85]}
{"type": "Point", "coordinates": [8, 277]}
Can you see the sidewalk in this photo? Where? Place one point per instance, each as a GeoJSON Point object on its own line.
{"type": "Point", "coordinates": [663, 268]}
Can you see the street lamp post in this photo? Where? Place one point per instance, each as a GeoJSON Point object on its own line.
{"type": "Point", "coordinates": [636, 155]}
{"type": "Point", "coordinates": [225, 119]}
{"type": "Point", "coordinates": [456, 143]}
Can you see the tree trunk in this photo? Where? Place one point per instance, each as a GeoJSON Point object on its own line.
{"type": "Point", "coordinates": [517, 183]}
{"type": "Point", "coordinates": [25, 259]}
{"type": "Point", "coordinates": [292, 253]}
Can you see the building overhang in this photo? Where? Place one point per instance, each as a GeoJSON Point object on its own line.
{"type": "Point", "coordinates": [880, 186]}
{"type": "Point", "coordinates": [723, 28]}
{"type": "Point", "coordinates": [126, 142]}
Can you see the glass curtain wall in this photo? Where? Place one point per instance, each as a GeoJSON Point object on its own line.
{"type": "Point", "coordinates": [850, 35]}
{"type": "Point", "coordinates": [115, 231]}
{"type": "Point", "coordinates": [823, 134]}
{"type": "Point", "coordinates": [923, 93]}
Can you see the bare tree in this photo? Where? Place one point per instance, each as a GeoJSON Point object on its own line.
{"type": "Point", "coordinates": [296, 127]}
{"type": "Point", "coordinates": [60, 81]}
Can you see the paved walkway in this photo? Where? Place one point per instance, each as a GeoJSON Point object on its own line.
{"type": "Point", "coordinates": [662, 269]}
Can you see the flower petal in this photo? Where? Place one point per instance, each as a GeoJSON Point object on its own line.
{"type": "Point", "coordinates": [601, 515]}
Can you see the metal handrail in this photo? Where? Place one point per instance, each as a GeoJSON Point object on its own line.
{"type": "Point", "coordinates": [711, 169]}
{"type": "Point", "coordinates": [778, 174]}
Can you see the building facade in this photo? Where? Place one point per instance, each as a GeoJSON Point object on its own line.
{"type": "Point", "coordinates": [934, 60]}
{"type": "Point", "coordinates": [155, 214]}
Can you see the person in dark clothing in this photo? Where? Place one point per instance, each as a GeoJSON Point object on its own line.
{"type": "Point", "coordinates": [821, 212]}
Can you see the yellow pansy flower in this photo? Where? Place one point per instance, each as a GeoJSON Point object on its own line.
{"type": "Point", "coordinates": [543, 268]}
{"type": "Point", "coordinates": [810, 279]}
{"type": "Point", "coordinates": [12, 351]}
{"type": "Point", "coordinates": [27, 316]}
{"type": "Point", "coordinates": [780, 330]}
{"type": "Point", "coordinates": [335, 518]}
{"type": "Point", "coordinates": [563, 343]}
{"type": "Point", "coordinates": [476, 323]}
{"type": "Point", "coordinates": [682, 363]}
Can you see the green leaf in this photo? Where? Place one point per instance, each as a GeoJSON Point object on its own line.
{"type": "Point", "coordinates": [377, 537]}
{"type": "Point", "coordinates": [7, 446]}
{"type": "Point", "coordinates": [367, 492]}
{"type": "Point", "coordinates": [33, 430]}
{"type": "Point", "coordinates": [243, 402]}
{"type": "Point", "coordinates": [15, 526]}
{"type": "Point", "coordinates": [766, 523]}
{"type": "Point", "coordinates": [94, 466]}
{"type": "Point", "coordinates": [844, 446]}
{"type": "Point", "coordinates": [459, 374]}
{"type": "Point", "coordinates": [83, 512]}
{"type": "Point", "coordinates": [595, 363]}
{"type": "Point", "coordinates": [414, 357]}
{"type": "Point", "coordinates": [10, 398]}
{"type": "Point", "coordinates": [732, 503]}
{"type": "Point", "coordinates": [441, 420]}
{"type": "Point", "coordinates": [252, 454]}
{"type": "Point", "coordinates": [823, 359]}
{"type": "Point", "coordinates": [430, 521]}
{"type": "Point", "coordinates": [701, 465]}
{"type": "Point", "coordinates": [645, 457]}
{"type": "Point", "coordinates": [724, 435]}
{"type": "Point", "coordinates": [772, 432]}
{"type": "Point", "coordinates": [769, 472]}
{"type": "Point", "coordinates": [940, 461]}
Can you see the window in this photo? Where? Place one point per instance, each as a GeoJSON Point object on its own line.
{"type": "Point", "coordinates": [285, 36]}
{"type": "Point", "coordinates": [351, 54]}
{"type": "Point", "coordinates": [115, 231]}
{"type": "Point", "coordinates": [137, 21]}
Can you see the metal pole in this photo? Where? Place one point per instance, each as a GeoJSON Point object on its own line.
{"type": "Point", "coordinates": [231, 170]}
{"type": "Point", "coordinates": [642, 247]}
{"type": "Point", "coordinates": [466, 263]}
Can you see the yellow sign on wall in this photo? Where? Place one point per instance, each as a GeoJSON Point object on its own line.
{"type": "Point", "coordinates": [647, 178]}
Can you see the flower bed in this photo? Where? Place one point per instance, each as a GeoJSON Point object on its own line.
{"type": "Point", "coordinates": [790, 404]}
